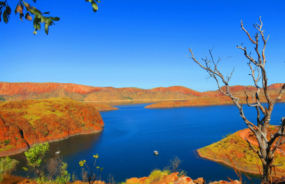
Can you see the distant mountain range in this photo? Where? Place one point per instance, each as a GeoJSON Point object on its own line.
{"type": "Point", "coordinates": [24, 91]}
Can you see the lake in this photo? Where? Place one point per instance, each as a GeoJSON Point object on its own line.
{"type": "Point", "coordinates": [131, 134]}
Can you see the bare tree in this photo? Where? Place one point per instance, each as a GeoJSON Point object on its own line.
{"type": "Point", "coordinates": [267, 147]}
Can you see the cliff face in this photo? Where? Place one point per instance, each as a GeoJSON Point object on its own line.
{"type": "Point", "coordinates": [24, 123]}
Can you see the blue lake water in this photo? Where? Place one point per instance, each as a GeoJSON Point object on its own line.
{"type": "Point", "coordinates": [131, 134]}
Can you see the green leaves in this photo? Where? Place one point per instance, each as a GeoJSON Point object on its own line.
{"type": "Point", "coordinates": [55, 18]}
{"type": "Point", "coordinates": [36, 154]}
{"type": "Point", "coordinates": [40, 18]}
{"type": "Point", "coordinates": [46, 28]}
{"type": "Point", "coordinates": [27, 11]}
{"type": "Point", "coordinates": [7, 165]}
{"type": "Point", "coordinates": [6, 14]}
{"type": "Point", "coordinates": [37, 24]}
{"type": "Point", "coordinates": [94, 6]}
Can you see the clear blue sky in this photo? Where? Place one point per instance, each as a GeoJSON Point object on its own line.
{"type": "Point", "coordinates": [136, 43]}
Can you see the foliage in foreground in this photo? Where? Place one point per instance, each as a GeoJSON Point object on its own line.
{"type": "Point", "coordinates": [39, 17]}
{"type": "Point", "coordinates": [7, 165]}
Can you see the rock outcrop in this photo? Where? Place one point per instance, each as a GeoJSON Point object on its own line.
{"type": "Point", "coordinates": [28, 122]}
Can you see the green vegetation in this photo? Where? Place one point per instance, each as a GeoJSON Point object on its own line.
{"type": "Point", "coordinates": [25, 10]}
{"type": "Point", "coordinates": [64, 176]}
{"type": "Point", "coordinates": [7, 165]}
{"type": "Point", "coordinates": [90, 175]}
{"type": "Point", "coordinates": [2, 99]}
{"type": "Point", "coordinates": [227, 135]}
{"type": "Point", "coordinates": [43, 108]}
{"type": "Point", "coordinates": [55, 171]}
{"type": "Point", "coordinates": [35, 156]}
{"type": "Point", "coordinates": [156, 175]}
{"type": "Point", "coordinates": [6, 142]}
{"type": "Point", "coordinates": [237, 149]}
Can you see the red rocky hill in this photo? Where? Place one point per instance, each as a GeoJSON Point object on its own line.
{"type": "Point", "coordinates": [217, 98]}
{"type": "Point", "coordinates": [24, 123]}
{"type": "Point", "coordinates": [24, 91]}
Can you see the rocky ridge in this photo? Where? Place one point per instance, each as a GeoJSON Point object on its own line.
{"type": "Point", "coordinates": [25, 91]}
{"type": "Point", "coordinates": [28, 122]}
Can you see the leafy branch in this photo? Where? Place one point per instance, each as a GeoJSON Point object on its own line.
{"type": "Point", "coordinates": [39, 17]}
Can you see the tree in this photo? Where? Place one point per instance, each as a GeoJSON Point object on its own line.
{"type": "Point", "coordinates": [35, 156]}
{"type": "Point", "coordinates": [39, 17]}
{"type": "Point", "coordinates": [267, 147]}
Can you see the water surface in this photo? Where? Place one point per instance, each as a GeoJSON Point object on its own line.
{"type": "Point", "coordinates": [131, 134]}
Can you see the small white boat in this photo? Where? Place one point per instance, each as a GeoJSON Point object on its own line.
{"type": "Point", "coordinates": [155, 152]}
{"type": "Point", "coordinates": [58, 152]}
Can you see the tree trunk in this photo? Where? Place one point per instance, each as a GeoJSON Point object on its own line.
{"type": "Point", "coordinates": [266, 172]}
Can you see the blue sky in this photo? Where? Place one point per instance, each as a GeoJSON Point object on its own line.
{"type": "Point", "coordinates": [135, 43]}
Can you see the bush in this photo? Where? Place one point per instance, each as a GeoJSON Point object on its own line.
{"type": "Point", "coordinates": [6, 142]}
{"type": "Point", "coordinates": [64, 176]}
{"type": "Point", "coordinates": [35, 156]}
{"type": "Point", "coordinates": [156, 175]}
{"type": "Point", "coordinates": [90, 175]}
{"type": "Point", "coordinates": [7, 165]}
{"type": "Point", "coordinates": [2, 99]}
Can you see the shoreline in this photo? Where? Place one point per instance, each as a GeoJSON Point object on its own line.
{"type": "Point", "coordinates": [228, 164]}
{"type": "Point", "coordinates": [278, 174]}
{"type": "Point", "coordinates": [143, 100]}
{"type": "Point", "coordinates": [186, 106]}
{"type": "Point", "coordinates": [165, 107]}
{"type": "Point", "coordinates": [20, 150]}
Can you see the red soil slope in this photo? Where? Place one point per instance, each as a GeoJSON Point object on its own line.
{"type": "Point", "coordinates": [24, 123]}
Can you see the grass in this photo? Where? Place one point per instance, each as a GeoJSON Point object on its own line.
{"type": "Point", "coordinates": [35, 111]}
{"type": "Point", "coordinates": [241, 154]}
{"type": "Point", "coordinates": [156, 175]}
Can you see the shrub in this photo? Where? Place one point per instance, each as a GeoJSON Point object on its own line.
{"type": "Point", "coordinates": [45, 134]}
{"type": "Point", "coordinates": [6, 142]}
{"type": "Point", "coordinates": [34, 157]}
{"type": "Point", "coordinates": [64, 176]}
{"type": "Point", "coordinates": [156, 175]}
{"type": "Point", "coordinates": [2, 99]}
{"type": "Point", "coordinates": [7, 165]}
{"type": "Point", "coordinates": [89, 175]}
